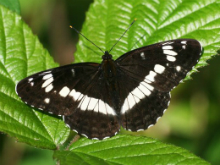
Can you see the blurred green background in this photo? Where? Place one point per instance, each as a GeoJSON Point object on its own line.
{"type": "Point", "coordinates": [191, 122]}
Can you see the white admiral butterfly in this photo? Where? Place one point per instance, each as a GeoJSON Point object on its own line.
{"type": "Point", "coordinates": [132, 91]}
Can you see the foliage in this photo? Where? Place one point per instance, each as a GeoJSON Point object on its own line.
{"type": "Point", "coordinates": [12, 5]}
{"type": "Point", "coordinates": [21, 54]}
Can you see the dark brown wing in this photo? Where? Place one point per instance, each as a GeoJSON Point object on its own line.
{"type": "Point", "coordinates": [77, 93]}
{"type": "Point", "coordinates": [149, 74]}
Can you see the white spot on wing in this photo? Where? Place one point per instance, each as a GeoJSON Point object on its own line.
{"type": "Point", "coordinates": [147, 81]}
{"type": "Point", "coordinates": [168, 43]}
{"type": "Point", "coordinates": [85, 103]}
{"type": "Point", "coordinates": [92, 103]}
{"type": "Point", "coordinates": [47, 76]}
{"type": "Point", "coordinates": [138, 93]}
{"type": "Point", "coordinates": [76, 95]}
{"type": "Point", "coordinates": [30, 79]}
{"type": "Point", "coordinates": [102, 107]}
{"type": "Point", "coordinates": [146, 91]}
{"type": "Point", "coordinates": [170, 52]}
{"type": "Point", "coordinates": [159, 68]}
{"type": "Point", "coordinates": [178, 68]}
{"type": "Point", "coordinates": [167, 47]}
{"type": "Point", "coordinates": [84, 135]}
{"type": "Point", "coordinates": [164, 111]}
{"type": "Point", "coordinates": [110, 110]}
{"type": "Point", "coordinates": [47, 82]}
{"type": "Point", "coordinates": [105, 108]}
{"type": "Point", "coordinates": [151, 76]}
{"type": "Point", "coordinates": [46, 72]}
{"type": "Point", "coordinates": [125, 106]}
{"type": "Point", "coordinates": [47, 100]}
{"type": "Point", "coordinates": [73, 72]}
{"type": "Point", "coordinates": [68, 125]}
{"type": "Point", "coordinates": [75, 130]}
{"type": "Point", "coordinates": [150, 126]}
{"type": "Point", "coordinates": [142, 56]}
{"type": "Point", "coordinates": [95, 138]}
{"type": "Point", "coordinates": [168, 103]}
{"type": "Point", "coordinates": [64, 91]}
{"type": "Point", "coordinates": [96, 109]}
{"type": "Point", "coordinates": [137, 100]}
{"type": "Point", "coordinates": [49, 88]}
{"type": "Point", "coordinates": [171, 58]}
{"type": "Point", "coordinates": [32, 83]}
{"type": "Point", "coordinates": [106, 137]}
{"type": "Point", "coordinates": [131, 100]}
{"type": "Point", "coordinates": [183, 42]}
{"type": "Point", "coordinates": [147, 85]}
{"type": "Point", "coordinates": [158, 119]}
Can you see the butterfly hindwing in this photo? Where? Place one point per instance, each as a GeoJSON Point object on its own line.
{"type": "Point", "coordinates": [141, 104]}
{"type": "Point", "coordinates": [93, 125]}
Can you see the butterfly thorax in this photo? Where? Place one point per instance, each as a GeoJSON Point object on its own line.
{"type": "Point", "coordinates": [108, 68]}
{"type": "Point", "coordinates": [109, 75]}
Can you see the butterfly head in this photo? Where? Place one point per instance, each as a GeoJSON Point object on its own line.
{"type": "Point", "coordinates": [107, 56]}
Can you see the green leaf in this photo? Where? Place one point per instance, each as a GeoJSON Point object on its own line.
{"type": "Point", "coordinates": [13, 5]}
{"type": "Point", "coordinates": [21, 54]}
{"type": "Point", "coordinates": [156, 21]}
{"type": "Point", "coordinates": [125, 149]}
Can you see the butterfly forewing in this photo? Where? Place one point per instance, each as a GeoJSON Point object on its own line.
{"type": "Point", "coordinates": [48, 90]}
{"type": "Point", "coordinates": [132, 91]}
{"type": "Point", "coordinates": [163, 64]}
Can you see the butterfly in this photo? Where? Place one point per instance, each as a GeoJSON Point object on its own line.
{"type": "Point", "coordinates": [132, 91]}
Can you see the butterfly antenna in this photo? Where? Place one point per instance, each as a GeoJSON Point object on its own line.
{"type": "Point", "coordinates": [86, 38]}
{"type": "Point", "coordinates": [122, 35]}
